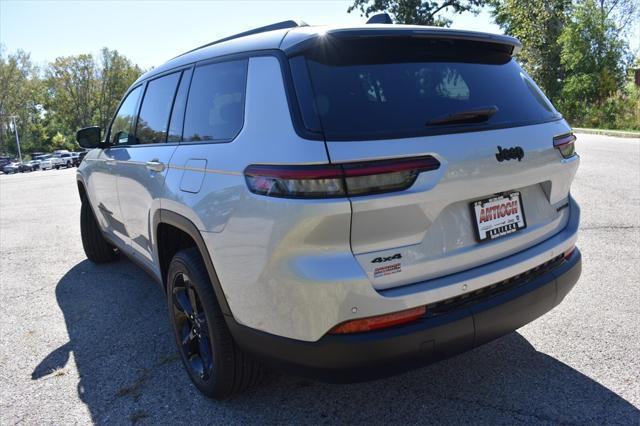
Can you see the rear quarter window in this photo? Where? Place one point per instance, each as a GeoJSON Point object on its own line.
{"type": "Point", "coordinates": [215, 106]}
{"type": "Point", "coordinates": [156, 108]}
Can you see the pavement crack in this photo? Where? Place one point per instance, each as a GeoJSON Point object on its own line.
{"type": "Point", "coordinates": [520, 412]}
{"type": "Point", "coordinates": [590, 228]}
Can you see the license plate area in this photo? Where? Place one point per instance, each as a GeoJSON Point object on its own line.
{"type": "Point", "coordinates": [498, 216]}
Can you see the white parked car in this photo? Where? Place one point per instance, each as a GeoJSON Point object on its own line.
{"type": "Point", "coordinates": [45, 161]}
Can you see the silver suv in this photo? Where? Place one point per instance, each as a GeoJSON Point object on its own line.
{"type": "Point", "coordinates": [342, 203]}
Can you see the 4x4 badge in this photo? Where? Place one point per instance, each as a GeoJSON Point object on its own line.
{"type": "Point", "coordinates": [387, 259]}
{"type": "Point", "coordinates": [509, 153]}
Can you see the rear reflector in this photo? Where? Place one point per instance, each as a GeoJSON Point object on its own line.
{"type": "Point", "coordinates": [565, 144]}
{"type": "Point", "coordinates": [380, 321]}
{"type": "Point", "coordinates": [337, 180]}
{"type": "Point", "coordinates": [568, 253]}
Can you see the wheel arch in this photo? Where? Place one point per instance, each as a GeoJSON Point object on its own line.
{"type": "Point", "coordinates": [174, 232]}
{"type": "Point", "coordinates": [82, 189]}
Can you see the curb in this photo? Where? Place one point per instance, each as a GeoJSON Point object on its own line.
{"type": "Point", "coordinates": [605, 132]}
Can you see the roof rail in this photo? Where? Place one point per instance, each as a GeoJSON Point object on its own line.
{"type": "Point", "coordinates": [272, 27]}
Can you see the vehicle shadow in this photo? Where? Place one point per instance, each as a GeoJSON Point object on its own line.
{"type": "Point", "coordinates": [130, 371]}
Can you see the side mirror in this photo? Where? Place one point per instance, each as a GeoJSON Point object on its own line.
{"type": "Point", "coordinates": [89, 137]}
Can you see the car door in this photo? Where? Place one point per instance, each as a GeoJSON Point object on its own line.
{"type": "Point", "coordinates": [142, 163]}
{"type": "Point", "coordinates": [102, 181]}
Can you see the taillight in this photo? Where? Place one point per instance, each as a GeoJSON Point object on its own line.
{"type": "Point", "coordinates": [565, 144]}
{"type": "Point", "coordinates": [337, 180]}
{"type": "Point", "coordinates": [380, 321]}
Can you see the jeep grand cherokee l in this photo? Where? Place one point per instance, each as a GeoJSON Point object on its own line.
{"type": "Point", "coordinates": [342, 203]}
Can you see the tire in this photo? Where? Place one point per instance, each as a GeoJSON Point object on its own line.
{"type": "Point", "coordinates": [215, 364]}
{"type": "Point", "coordinates": [97, 249]}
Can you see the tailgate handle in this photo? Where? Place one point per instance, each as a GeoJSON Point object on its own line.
{"type": "Point", "coordinates": [155, 166]}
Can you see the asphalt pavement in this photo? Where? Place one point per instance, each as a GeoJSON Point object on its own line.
{"type": "Point", "coordinates": [82, 343]}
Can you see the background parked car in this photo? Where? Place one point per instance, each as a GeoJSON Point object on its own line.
{"type": "Point", "coordinates": [76, 158]}
{"type": "Point", "coordinates": [18, 167]}
{"type": "Point", "coordinates": [32, 165]}
{"type": "Point", "coordinates": [4, 161]}
{"type": "Point", "coordinates": [67, 159]}
{"type": "Point", "coordinates": [11, 168]}
{"type": "Point", "coordinates": [62, 158]}
{"type": "Point", "coordinates": [45, 161]}
{"type": "Point", "coordinates": [81, 156]}
{"type": "Point", "coordinates": [25, 167]}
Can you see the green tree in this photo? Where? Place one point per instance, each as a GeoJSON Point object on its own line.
{"type": "Point", "coordinates": [84, 92]}
{"type": "Point", "coordinates": [72, 91]}
{"type": "Point", "coordinates": [418, 12]}
{"type": "Point", "coordinates": [115, 74]}
{"type": "Point", "coordinates": [538, 25]}
{"type": "Point", "coordinates": [21, 95]}
{"type": "Point", "coordinates": [59, 141]}
{"type": "Point", "coordinates": [594, 58]}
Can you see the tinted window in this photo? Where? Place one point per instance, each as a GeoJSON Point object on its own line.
{"type": "Point", "coordinates": [215, 109]}
{"type": "Point", "coordinates": [177, 116]}
{"type": "Point", "coordinates": [153, 119]}
{"type": "Point", "coordinates": [122, 127]}
{"type": "Point", "coordinates": [368, 89]}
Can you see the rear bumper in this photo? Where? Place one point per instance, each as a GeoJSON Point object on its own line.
{"type": "Point", "coordinates": [364, 356]}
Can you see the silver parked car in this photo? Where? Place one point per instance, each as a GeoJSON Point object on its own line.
{"type": "Point", "coordinates": [342, 203]}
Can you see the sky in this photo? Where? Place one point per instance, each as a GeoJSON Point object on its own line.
{"type": "Point", "coordinates": [151, 32]}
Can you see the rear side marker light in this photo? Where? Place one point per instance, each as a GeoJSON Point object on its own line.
{"type": "Point", "coordinates": [380, 321]}
{"type": "Point", "coordinates": [568, 253]}
{"type": "Point", "coordinates": [565, 144]}
{"type": "Point", "coordinates": [337, 180]}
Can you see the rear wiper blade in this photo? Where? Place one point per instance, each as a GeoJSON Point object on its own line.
{"type": "Point", "coordinates": [477, 115]}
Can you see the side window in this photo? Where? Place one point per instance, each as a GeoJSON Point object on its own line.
{"type": "Point", "coordinates": [215, 109]}
{"type": "Point", "coordinates": [177, 116]}
{"type": "Point", "coordinates": [153, 119]}
{"type": "Point", "coordinates": [122, 128]}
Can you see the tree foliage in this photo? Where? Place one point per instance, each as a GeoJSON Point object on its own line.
{"type": "Point", "coordinates": [115, 74]}
{"type": "Point", "coordinates": [576, 52]}
{"type": "Point", "coordinates": [594, 59]}
{"type": "Point", "coordinates": [538, 25]}
{"type": "Point", "coordinates": [418, 12]}
{"type": "Point", "coordinates": [72, 88]}
{"type": "Point", "coordinates": [72, 92]}
{"type": "Point", "coordinates": [21, 95]}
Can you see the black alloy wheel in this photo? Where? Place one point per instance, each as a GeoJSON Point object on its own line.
{"type": "Point", "coordinates": [191, 324]}
{"type": "Point", "coordinates": [215, 364]}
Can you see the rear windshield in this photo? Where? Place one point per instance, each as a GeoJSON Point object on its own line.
{"type": "Point", "coordinates": [390, 88]}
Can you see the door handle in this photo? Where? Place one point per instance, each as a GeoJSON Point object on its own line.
{"type": "Point", "coordinates": [155, 166]}
{"type": "Point", "coordinates": [111, 162]}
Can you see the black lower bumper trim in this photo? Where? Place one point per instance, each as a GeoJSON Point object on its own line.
{"type": "Point", "coordinates": [365, 356]}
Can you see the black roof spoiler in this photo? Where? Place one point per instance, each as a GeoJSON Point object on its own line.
{"type": "Point", "coordinates": [295, 47]}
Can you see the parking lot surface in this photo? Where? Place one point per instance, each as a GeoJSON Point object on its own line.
{"type": "Point", "coordinates": [82, 343]}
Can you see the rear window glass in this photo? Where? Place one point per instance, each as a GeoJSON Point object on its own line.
{"type": "Point", "coordinates": [215, 108]}
{"type": "Point", "coordinates": [387, 88]}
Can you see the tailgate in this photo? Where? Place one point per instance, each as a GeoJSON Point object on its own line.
{"type": "Point", "coordinates": [466, 103]}
{"type": "Point", "coordinates": [429, 230]}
